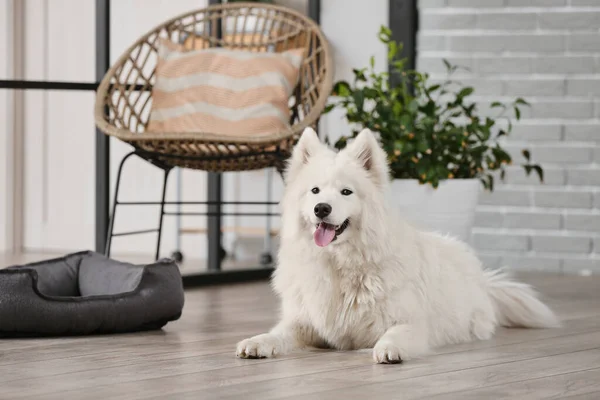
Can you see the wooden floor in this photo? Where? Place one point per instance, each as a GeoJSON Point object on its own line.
{"type": "Point", "coordinates": [193, 358]}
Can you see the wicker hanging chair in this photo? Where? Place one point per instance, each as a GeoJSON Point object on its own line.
{"type": "Point", "coordinates": [124, 96]}
{"type": "Point", "coordinates": [124, 100]}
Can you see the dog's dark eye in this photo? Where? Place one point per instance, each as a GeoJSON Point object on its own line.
{"type": "Point", "coordinates": [346, 192]}
{"type": "Point", "coordinates": [315, 190]}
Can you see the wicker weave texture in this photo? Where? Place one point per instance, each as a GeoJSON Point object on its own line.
{"type": "Point", "coordinates": [124, 96]}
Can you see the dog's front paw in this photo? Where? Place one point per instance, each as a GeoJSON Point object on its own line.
{"type": "Point", "coordinates": [386, 352]}
{"type": "Point", "coordinates": [261, 346]}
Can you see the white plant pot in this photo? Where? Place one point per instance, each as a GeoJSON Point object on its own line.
{"type": "Point", "coordinates": [449, 209]}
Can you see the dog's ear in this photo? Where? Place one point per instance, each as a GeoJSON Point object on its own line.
{"type": "Point", "coordinates": [308, 145]}
{"type": "Point", "coordinates": [367, 151]}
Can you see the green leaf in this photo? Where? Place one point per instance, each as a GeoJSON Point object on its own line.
{"type": "Point", "coordinates": [341, 143]}
{"type": "Point", "coordinates": [385, 34]}
{"type": "Point", "coordinates": [485, 133]}
{"type": "Point", "coordinates": [501, 158]}
{"type": "Point", "coordinates": [465, 92]}
{"type": "Point", "coordinates": [413, 106]}
{"type": "Point", "coordinates": [433, 88]}
{"type": "Point", "coordinates": [341, 89]}
{"type": "Point", "coordinates": [359, 99]}
{"type": "Point", "coordinates": [359, 75]}
{"type": "Point", "coordinates": [526, 154]}
{"type": "Point", "coordinates": [479, 150]}
{"type": "Point", "coordinates": [521, 101]}
{"type": "Point", "coordinates": [484, 182]}
{"type": "Point", "coordinates": [517, 113]}
{"type": "Point", "coordinates": [399, 64]}
{"type": "Point", "coordinates": [539, 171]}
{"type": "Point", "coordinates": [392, 51]}
{"type": "Point", "coordinates": [371, 93]}
{"type": "Point", "coordinates": [501, 133]}
{"type": "Point", "coordinates": [407, 121]}
{"type": "Point", "coordinates": [328, 108]}
{"type": "Point", "coordinates": [422, 146]}
{"type": "Point", "coordinates": [429, 108]}
{"type": "Point", "coordinates": [496, 104]}
{"type": "Point", "coordinates": [372, 61]}
{"type": "Point", "coordinates": [400, 46]}
{"type": "Point", "coordinates": [491, 183]}
{"type": "Point", "coordinates": [447, 64]}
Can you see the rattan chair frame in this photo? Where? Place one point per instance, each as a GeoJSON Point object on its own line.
{"type": "Point", "coordinates": [123, 99]}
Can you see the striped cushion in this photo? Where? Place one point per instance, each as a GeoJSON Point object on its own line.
{"type": "Point", "coordinates": [223, 91]}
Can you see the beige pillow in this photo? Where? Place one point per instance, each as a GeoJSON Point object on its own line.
{"type": "Point", "coordinates": [223, 91]}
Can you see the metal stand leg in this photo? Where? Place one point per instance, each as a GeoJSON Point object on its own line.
{"type": "Point", "coordinates": [102, 140]}
{"type": "Point", "coordinates": [111, 224]}
{"type": "Point", "coordinates": [162, 212]}
{"type": "Point", "coordinates": [177, 255]}
{"type": "Point", "coordinates": [215, 251]}
{"type": "Point", "coordinates": [267, 256]}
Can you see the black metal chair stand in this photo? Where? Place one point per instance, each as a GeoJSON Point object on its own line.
{"type": "Point", "coordinates": [266, 259]}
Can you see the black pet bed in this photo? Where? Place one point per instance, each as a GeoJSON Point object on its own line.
{"type": "Point", "coordinates": [87, 293]}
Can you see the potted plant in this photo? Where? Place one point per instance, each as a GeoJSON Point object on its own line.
{"type": "Point", "coordinates": [441, 152]}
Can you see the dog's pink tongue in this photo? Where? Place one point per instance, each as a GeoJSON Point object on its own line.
{"type": "Point", "coordinates": [324, 234]}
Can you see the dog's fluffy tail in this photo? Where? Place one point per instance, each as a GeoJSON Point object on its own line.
{"type": "Point", "coordinates": [517, 304]}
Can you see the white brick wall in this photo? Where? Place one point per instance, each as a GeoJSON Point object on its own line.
{"type": "Point", "coordinates": [547, 51]}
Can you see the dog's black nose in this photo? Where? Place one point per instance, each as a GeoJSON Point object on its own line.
{"type": "Point", "coordinates": [322, 210]}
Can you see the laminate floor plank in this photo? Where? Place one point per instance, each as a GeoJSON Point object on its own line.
{"type": "Point", "coordinates": [193, 358]}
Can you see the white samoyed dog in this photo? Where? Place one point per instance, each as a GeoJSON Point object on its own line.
{"type": "Point", "coordinates": [351, 275]}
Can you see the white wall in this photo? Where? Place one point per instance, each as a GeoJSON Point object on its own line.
{"type": "Point", "coordinates": [5, 122]}
{"type": "Point", "coordinates": [142, 181]}
{"type": "Point", "coordinates": [60, 137]}
{"type": "Point", "coordinates": [352, 34]}
{"type": "Point", "coordinates": [59, 131]}
{"type": "Point", "coordinates": [352, 31]}
{"type": "Point", "coordinates": [59, 190]}
{"type": "Point", "coordinates": [547, 52]}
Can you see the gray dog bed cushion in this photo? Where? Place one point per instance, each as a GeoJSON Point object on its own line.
{"type": "Point", "coordinates": [87, 293]}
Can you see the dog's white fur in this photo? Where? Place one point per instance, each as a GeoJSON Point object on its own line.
{"type": "Point", "coordinates": [381, 284]}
